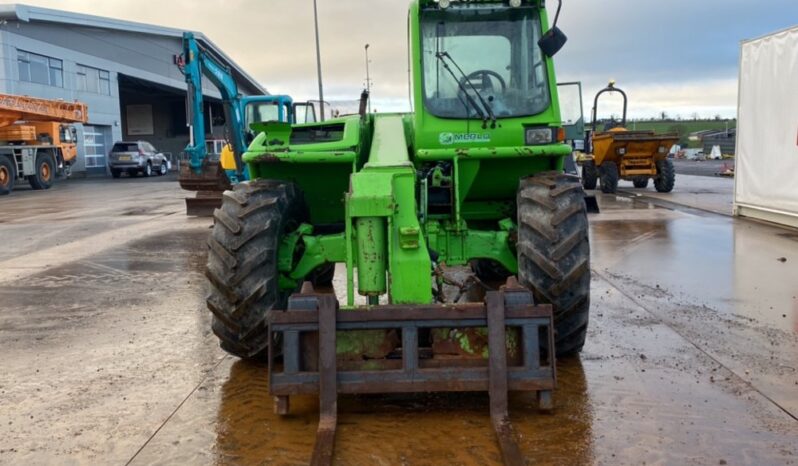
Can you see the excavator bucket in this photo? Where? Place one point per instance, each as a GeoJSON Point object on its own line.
{"type": "Point", "coordinates": [310, 357]}
{"type": "Point", "coordinates": [209, 185]}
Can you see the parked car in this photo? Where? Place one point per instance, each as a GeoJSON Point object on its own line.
{"type": "Point", "coordinates": [136, 157]}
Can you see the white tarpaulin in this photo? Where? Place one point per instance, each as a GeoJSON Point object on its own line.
{"type": "Point", "coordinates": [766, 170]}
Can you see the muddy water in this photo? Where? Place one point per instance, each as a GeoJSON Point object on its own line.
{"type": "Point", "coordinates": [108, 358]}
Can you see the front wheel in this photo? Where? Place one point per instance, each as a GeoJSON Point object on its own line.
{"type": "Point", "coordinates": [609, 177]}
{"type": "Point", "coordinates": [45, 172]}
{"type": "Point", "coordinates": [162, 169]}
{"type": "Point", "coordinates": [554, 253]}
{"type": "Point", "coordinates": [147, 170]}
{"type": "Point", "coordinates": [666, 176]}
{"type": "Point", "coordinates": [589, 175]}
{"type": "Point", "coordinates": [640, 182]}
{"type": "Point", "coordinates": [242, 262]}
{"type": "Point", "coordinates": [8, 175]}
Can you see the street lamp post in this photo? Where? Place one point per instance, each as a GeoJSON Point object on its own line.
{"type": "Point", "coordinates": [318, 60]}
{"type": "Point", "coordinates": [368, 77]}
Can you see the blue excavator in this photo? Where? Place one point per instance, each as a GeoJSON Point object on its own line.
{"type": "Point", "coordinates": [203, 170]}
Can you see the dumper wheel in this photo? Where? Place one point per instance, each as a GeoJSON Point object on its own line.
{"type": "Point", "coordinates": [609, 177]}
{"type": "Point", "coordinates": [589, 175]}
{"type": "Point", "coordinates": [554, 253]}
{"type": "Point", "coordinates": [666, 176]}
{"type": "Point", "coordinates": [640, 182]}
{"type": "Point", "coordinates": [242, 262]}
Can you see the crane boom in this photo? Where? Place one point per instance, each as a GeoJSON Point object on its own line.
{"type": "Point", "coordinates": [15, 108]}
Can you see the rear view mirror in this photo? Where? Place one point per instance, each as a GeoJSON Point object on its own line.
{"type": "Point", "coordinates": [552, 41]}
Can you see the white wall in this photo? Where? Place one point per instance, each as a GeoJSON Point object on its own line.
{"type": "Point", "coordinates": [766, 178]}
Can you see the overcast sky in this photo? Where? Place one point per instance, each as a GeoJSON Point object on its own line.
{"type": "Point", "coordinates": [677, 56]}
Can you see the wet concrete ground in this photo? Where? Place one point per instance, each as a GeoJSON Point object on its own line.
{"type": "Point", "coordinates": [107, 356]}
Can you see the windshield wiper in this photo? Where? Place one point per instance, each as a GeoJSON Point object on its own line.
{"type": "Point", "coordinates": [439, 56]}
{"type": "Point", "coordinates": [468, 81]}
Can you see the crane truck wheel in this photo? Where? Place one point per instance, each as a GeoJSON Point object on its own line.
{"type": "Point", "coordinates": [609, 177]}
{"type": "Point", "coordinates": [242, 262]}
{"type": "Point", "coordinates": [45, 172]}
{"type": "Point", "coordinates": [666, 176]}
{"type": "Point", "coordinates": [554, 253]}
{"type": "Point", "coordinates": [640, 182]}
{"type": "Point", "coordinates": [8, 175]}
{"type": "Point", "coordinates": [589, 175]}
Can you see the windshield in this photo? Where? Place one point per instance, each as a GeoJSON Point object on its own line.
{"type": "Point", "coordinates": [261, 112]}
{"type": "Point", "coordinates": [497, 50]}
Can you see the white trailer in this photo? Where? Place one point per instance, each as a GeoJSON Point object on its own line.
{"type": "Point", "coordinates": [766, 173]}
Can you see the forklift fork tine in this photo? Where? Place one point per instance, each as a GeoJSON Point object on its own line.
{"type": "Point", "coordinates": [497, 355]}
{"type": "Point", "coordinates": [328, 389]}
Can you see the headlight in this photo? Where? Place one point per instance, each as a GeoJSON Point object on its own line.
{"type": "Point", "coordinates": [538, 136]}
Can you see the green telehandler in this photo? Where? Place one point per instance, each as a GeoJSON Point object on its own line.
{"type": "Point", "coordinates": [474, 176]}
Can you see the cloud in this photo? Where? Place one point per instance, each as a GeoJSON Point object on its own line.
{"type": "Point", "coordinates": [679, 56]}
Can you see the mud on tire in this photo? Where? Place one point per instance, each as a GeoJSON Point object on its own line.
{"type": "Point", "coordinates": [554, 253]}
{"type": "Point", "coordinates": [242, 262]}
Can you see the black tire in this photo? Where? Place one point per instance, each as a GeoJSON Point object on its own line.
{"type": "Point", "coordinates": [116, 173]}
{"type": "Point", "coordinates": [8, 175]}
{"type": "Point", "coordinates": [554, 253]}
{"type": "Point", "coordinates": [666, 176]}
{"type": "Point", "coordinates": [640, 182]}
{"type": "Point", "coordinates": [609, 177]}
{"type": "Point", "coordinates": [147, 170]}
{"type": "Point", "coordinates": [589, 175]}
{"type": "Point", "coordinates": [242, 262]}
{"type": "Point", "coordinates": [132, 173]}
{"type": "Point", "coordinates": [45, 172]}
{"type": "Point", "coordinates": [323, 275]}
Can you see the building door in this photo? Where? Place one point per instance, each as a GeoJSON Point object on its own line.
{"type": "Point", "coordinates": [94, 138]}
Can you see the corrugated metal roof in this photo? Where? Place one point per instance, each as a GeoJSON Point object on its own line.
{"type": "Point", "coordinates": [27, 13]}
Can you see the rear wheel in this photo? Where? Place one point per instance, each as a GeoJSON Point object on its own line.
{"type": "Point", "coordinates": [641, 182]}
{"type": "Point", "coordinates": [666, 176]}
{"type": "Point", "coordinates": [609, 177]}
{"type": "Point", "coordinates": [242, 262]}
{"type": "Point", "coordinates": [116, 173]}
{"type": "Point", "coordinates": [589, 175]}
{"type": "Point", "coordinates": [554, 253]}
{"type": "Point", "coordinates": [8, 175]}
{"type": "Point", "coordinates": [45, 172]}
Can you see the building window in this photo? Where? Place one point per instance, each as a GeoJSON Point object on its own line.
{"type": "Point", "coordinates": [39, 69]}
{"type": "Point", "coordinates": [93, 80]}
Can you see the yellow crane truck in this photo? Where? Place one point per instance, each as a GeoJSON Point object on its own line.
{"type": "Point", "coordinates": [37, 139]}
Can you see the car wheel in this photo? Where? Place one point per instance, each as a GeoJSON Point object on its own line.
{"type": "Point", "coordinates": [162, 169]}
{"type": "Point", "coordinates": [148, 169]}
{"type": "Point", "coordinates": [132, 173]}
{"type": "Point", "coordinates": [116, 173]}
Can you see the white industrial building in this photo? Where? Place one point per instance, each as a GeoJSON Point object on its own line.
{"type": "Point", "coordinates": [126, 72]}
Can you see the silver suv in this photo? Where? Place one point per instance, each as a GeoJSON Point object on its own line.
{"type": "Point", "coordinates": [137, 157]}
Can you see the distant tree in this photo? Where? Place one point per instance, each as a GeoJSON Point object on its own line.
{"type": "Point", "coordinates": [718, 117]}
{"type": "Point", "coordinates": [663, 115]}
{"type": "Point", "coordinates": [682, 131]}
{"type": "Point", "coordinates": [695, 116]}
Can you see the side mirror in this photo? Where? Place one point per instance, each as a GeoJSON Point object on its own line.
{"type": "Point", "coordinates": [552, 41]}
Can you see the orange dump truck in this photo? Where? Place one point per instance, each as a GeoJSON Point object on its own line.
{"type": "Point", "coordinates": [37, 139]}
